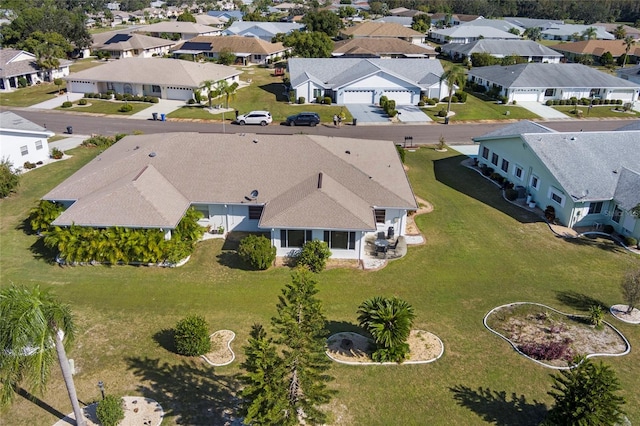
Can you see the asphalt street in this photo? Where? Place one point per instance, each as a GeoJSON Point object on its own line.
{"type": "Point", "coordinates": [462, 133]}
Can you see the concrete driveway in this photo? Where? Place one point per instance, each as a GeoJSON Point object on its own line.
{"type": "Point", "coordinates": [368, 114]}
{"type": "Point", "coordinates": [412, 114]}
{"type": "Point", "coordinates": [544, 111]}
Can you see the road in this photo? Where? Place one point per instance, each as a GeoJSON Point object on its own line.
{"type": "Point", "coordinates": [57, 121]}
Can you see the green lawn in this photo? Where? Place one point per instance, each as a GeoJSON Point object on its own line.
{"type": "Point", "coordinates": [97, 106]}
{"type": "Point", "coordinates": [84, 64]}
{"type": "Point", "coordinates": [604, 111]}
{"type": "Point", "coordinates": [30, 95]}
{"type": "Point", "coordinates": [480, 252]}
{"type": "Point", "coordinates": [478, 109]}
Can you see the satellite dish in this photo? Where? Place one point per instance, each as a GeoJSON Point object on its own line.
{"type": "Point", "coordinates": [254, 194]}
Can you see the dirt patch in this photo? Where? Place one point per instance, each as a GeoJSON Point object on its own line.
{"type": "Point", "coordinates": [221, 353]}
{"type": "Point", "coordinates": [355, 348]}
{"type": "Point", "coordinates": [551, 337]}
{"type": "Point", "coordinates": [622, 313]}
{"type": "Point", "coordinates": [423, 208]}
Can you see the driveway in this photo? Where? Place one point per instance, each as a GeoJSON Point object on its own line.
{"type": "Point", "coordinates": [412, 114]}
{"type": "Point", "coordinates": [368, 114]}
{"type": "Point", "coordinates": [58, 100]}
{"type": "Point", "coordinates": [544, 111]}
{"type": "Point", "coordinates": [164, 106]}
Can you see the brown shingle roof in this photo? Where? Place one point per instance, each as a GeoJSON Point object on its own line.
{"type": "Point", "coordinates": [237, 44]}
{"type": "Point", "coordinates": [127, 184]}
{"type": "Point", "coordinates": [380, 29]}
{"type": "Point", "coordinates": [382, 45]}
{"type": "Point", "coordinates": [596, 47]}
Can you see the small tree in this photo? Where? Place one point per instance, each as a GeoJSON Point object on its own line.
{"type": "Point", "coordinates": [586, 395]}
{"type": "Point", "coordinates": [9, 178]}
{"type": "Point", "coordinates": [596, 316]}
{"type": "Point", "coordinates": [257, 251]}
{"type": "Point", "coordinates": [192, 336]}
{"type": "Point", "coordinates": [389, 323]}
{"type": "Point", "coordinates": [631, 289]}
{"type": "Point", "coordinates": [110, 411]}
{"type": "Point", "coordinates": [314, 255]}
{"type": "Point", "coordinates": [58, 82]}
{"type": "Point", "coordinates": [226, 57]}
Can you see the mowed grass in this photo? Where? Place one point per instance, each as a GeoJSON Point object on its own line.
{"type": "Point", "coordinates": [480, 252]}
{"type": "Point", "coordinates": [604, 111]}
{"type": "Point", "coordinates": [478, 109]}
{"type": "Point", "coordinates": [96, 106]}
{"type": "Point", "coordinates": [30, 95]}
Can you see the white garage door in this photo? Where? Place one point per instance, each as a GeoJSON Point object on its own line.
{"type": "Point", "coordinates": [525, 96]}
{"type": "Point", "coordinates": [82, 87]}
{"type": "Point", "coordinates": [179, 93]}
{"type": "Point", "coordinates": [402, 97]}
{"type": "Point", "coordinates": [358, 97]}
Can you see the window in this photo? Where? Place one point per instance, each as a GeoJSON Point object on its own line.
{"type": "Point", "coordinates": [617, 214]}
{"type": "Point", "coordinates": [380, 215]}
{"type": "Point", "coordinates": [340, 239]}
{"type": "Point", "coordinates": [317, 93]}
{"type": "Point", "coordinates": [294, 237]}
{"type": "Point", "coordinates": [556, 196]}
{"type": "Point", "coordinates": [550, 92]}
{"type": "Point", "coordinates": [485, 152]}
{"type": "Point", "coordinates": [38, 145]}
{"type": "Point", "coordinates": [155, 89]}
{"type": "Point", "coordinates": [258, 57]}
{"type": "Point", "coordinates": [494, 159]}
{"type": "Point", "coordinates": [255, 212]}
{"type": "Point", "coordinates": [535, 182]}
{"type": "Point", "coordinates": [595, 208]}
{"type": "Point", "coordinates": [505, 165]}
{"type": "Point", "coordinates": [518, 172]}
{"type": "Point", "coordinates": [24, 150]}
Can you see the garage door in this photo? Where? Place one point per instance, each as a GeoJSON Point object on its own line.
{"type": "Point", "coordinates": [527, 96]}
{"type": "Point", "coordinates": [402, 97]}
{"type": "Point", "coordinates": [358, 97]}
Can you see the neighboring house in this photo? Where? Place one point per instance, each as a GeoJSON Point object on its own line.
{"type": "Point", "coordinates": [595, 49]}
{"type": "Point", "coordinates": [226, 15]}
{"type": "Point", "coordinates": [569, 31]}
{"type": "Point", "coordinates": [123, 45]}
{"type": "Point", "coordinates": [179, 30]}
{"type": "Point", "coordinates": [532, 22]}
{"type": "Point", "coordinates": [541, 82]}
{"type": "Point", "coordinates": [442, 20]}
{"type": "Point", "coordinates": [248, 50]}
{"type": "Point", "coordinates": [405, 21]}
{"type": "Point", "coordinates": [468, 34]}
{"type": "Point", "coordinates": [403, 11]}
{"type": "Point", "coordinates": [16, 64]}
{"type": "Point", "coordinates": [381, 48]}
{"type": "Point", "coordinates": [211, 21]}
{"type": "Point", "coordinates": [631, 74]}
{"type": "Point", "coordinates": [498, 24]}
{"type": "Point", "coordinates": [381, 30]}
{"type": "Point", "coordinates": [526, 49]}
{"type": "Point", "coordinates": [589, 178]}
{"type": "Point", "coordinates": [263, 30]}
{"type": "Point", "coordinates": [164, 78]}
{"type": "Point", "coordinates": [364, 81]}
{"type": "Point", "coordinates": [611, 27]}
{"type": "Point", "coordinates": [296, 188]}
{"type": "Point", "coordinates": [22, 140]}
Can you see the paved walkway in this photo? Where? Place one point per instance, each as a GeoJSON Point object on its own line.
{"type": "Point", "coordinates": [544, 111]}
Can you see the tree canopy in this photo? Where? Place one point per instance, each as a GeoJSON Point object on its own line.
{"type": "Point", "coordinates": [309, 44]}
{"type": "Point", "coordinates": [322, 21]}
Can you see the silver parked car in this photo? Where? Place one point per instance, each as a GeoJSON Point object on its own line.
{"type": "Point", "coordinates": [255, 117]}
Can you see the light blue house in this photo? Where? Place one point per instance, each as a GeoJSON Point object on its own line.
{"type": "Point", "coordinates": [589, 178]}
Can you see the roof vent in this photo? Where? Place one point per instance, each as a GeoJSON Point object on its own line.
{"type": "Point", "coordinates": [152, 154]}
{"type": "Point", "coordinates": [615, 172]}
{"type": "Point", "coordinates": [254, 194]}
{"type": "Point", "coordinates": [255, 141]}
{"type": "Point", "coordinates": [573, 138]}
{"type": "Point", "coordinates": [137, 147]}
{"type": "Point", "coordinates": [347, 152]}
{"type": "Point", "coordinates": [320, 180]}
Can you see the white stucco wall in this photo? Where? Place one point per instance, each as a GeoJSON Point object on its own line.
{"type": "Point", "coordinates": [11, 147]}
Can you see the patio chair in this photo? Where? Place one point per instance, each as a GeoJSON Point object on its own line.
{"type": "Point", "coordinates": [381, 236]}
{"type": "Point", "coordinates": [381, 250]}
{"type": "Point", "coordinates": [393, 246]}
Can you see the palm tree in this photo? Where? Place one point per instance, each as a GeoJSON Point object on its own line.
{"type": "Point", "coordinates": [34, 326]}
{"type": "Point", "coordinates": [228, 90]}
{"type": "Point", "coordinates": [620, 33]}
{"type": "Point", "coordinates": [533, 33]}
{"type": "Point", "coordinates": [628, 44]}
{"type": "Point", "coordinates": [210, 86]}
{"type": "Point", "coordinates": [454, 76]}
{"type": "Point", "coordinates": [590, 33]}
{"type": "Point", "coordinates": [389, 323]}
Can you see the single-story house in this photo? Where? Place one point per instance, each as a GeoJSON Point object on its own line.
{"type": "Point", "coordinates": [262, 30]}
{"type": "Point", "coordinates": [630, 74]}
{"type": "Point", "coordinates": [387, 47]}
{"type": "Point", "coordinates": [442, 20]}
{"type": "Point", "coordinates": [596, 48]}
{"type": "Point", "coordinates": [498, 24]}
{"type": "Point", "coordinates": [467, 34]}
{"type": "Point", "coordinates": [212, 21]}
{"type": "Point", "coordinates": [129, 45]}
{"type": "Point", "coordinates": [161, 77]}
{"type": "Point", "coordinates": [179, 30]}
{"type": "Point", "coordinates": [570, 31]}
{"type": "Point", "coordinates": [248, 50]}
{"type": "Point", "coordinates": [22, 140]}
{"type": "Point", "coordinates": [532, 22]}
{"type": "Point", "coordinates": [226, 15]}
{"type": "Point", "coordinates": [403, 11]}
{"type": "Point", "coordinates": [364, 81]}
{"type": "Point", "coordinates": [535, 82]}
{"type": "Point", "coordinates": [296, 188]}
{"type": "Point", "coordinates": [405, 21]}
{"type": "Point", "coordinates": [611, 27]}
{"type": "Point", "coordinates": [527, 49]}
{"type": "Point", "coordinates": [372, 29]}
{"type": "Point", "coordinates": [589, 178]}
{"type": "Point", "coordinates": [16, 64]}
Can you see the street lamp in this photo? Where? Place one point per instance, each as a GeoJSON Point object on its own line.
{"type": "Point", "coordinates": [101, 387]}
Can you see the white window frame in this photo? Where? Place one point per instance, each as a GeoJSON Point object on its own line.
{"type": "Point", "coordinates": [504, 165]}
{"type": "Point", "coordinates": [38, 145]}
{"type": "Point", "coordinates": [24, 150]}
{"type": "Point", "coordinates": [531, 182]}
{"type": "Point", "coordinates": [517, 167]}
{"type": "Point", "coordinates": [553, 191]}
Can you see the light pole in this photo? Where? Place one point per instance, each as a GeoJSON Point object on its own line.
{"type": "Point", "coordinates": [101, 387]}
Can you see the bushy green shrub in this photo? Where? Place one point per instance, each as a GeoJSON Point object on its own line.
{"type": "Point", "coordinates": [302, 100]}
{"type": "Point", "coordinates": [314, 255]}
{"type": "Point", "coordinates": [119, 96]}
{"type": "Point", "coordinates": [9, 178]}
{"type": "Point", "coordinates": [110, 410]}
{"type": "Point", "coordinates": [608, 229]}
{"type": "Point", "coordinates": [98, 142]}
{"type": "Point", "coordinates": [41, 216]}
{"type": "Point", "coordinates": [56, 154]}
{"type": "Point", "coordinates": [82, 101]}
{"type": "Point", "coordinates": [29, 165]}
{"type": "Point", "coordinates": [154, 99]}
{"type": "Point", "coordinates": [126, 108]}
{"type": "Point", "coordinates": [431, 102]}
{"type": "Point", "coordinates": [22, 82]}
{"type": "Point", "coordinates": [462, 96]}
{"type": "Point", "coordinates": [383, 101]}
{"type": "Point", "coordinates": [191, 101]}
{"type": "Point", "coordinates": [549, 102]}
{"type": "Point", "coordinates": [192, 336]}
{"type": "Point", "coordinates": [454, 99]}
{"type": "Point", "coordinates": [327, 100]}
{"type": "Point", "coordinates": [105, 96]}
{"type": "Point", "coordinates": [292, 96]}
{"type": "Point", "coordinates": [442, 113]}
{"type": "Point", "coordinates": [630, 241]}
{"type": "Point", "coordinates": [421, 103]}
{"type": "Point", "coordinates": [511, 194]}
{"type": "Point", "coordinates": [67, 104]}
{"type": "Point", "coordinates": [392, 113]}
{"type": "Point", "coordinates": [257, 251]}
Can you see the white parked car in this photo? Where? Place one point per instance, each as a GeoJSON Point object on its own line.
{"type": "Point", "coordinates": [255, 117]}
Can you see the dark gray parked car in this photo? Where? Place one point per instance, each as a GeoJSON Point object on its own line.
{"type": "Point", "coordinates": [304, 119]}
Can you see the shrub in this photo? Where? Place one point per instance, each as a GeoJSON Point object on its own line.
{"type": "Point", "coordinates": [511, 194]}
{"type": "Point", "coordinates": [327, 100]}
{"type": "Point", "coordinates": [292, 96]}
{"type": "Point", "coordinates": [154, 99]}
{"type": "Point", "coordinates": [462, 96]}
{"type": "Point", "coordinates": [392, 113]}
{"type": "Point", "coordinates": [67, 104]}
{"type": "Point", "coordinates": [192, 336]}
{"type": "Point", "coordinates": [301, 100]}
{"type": "Point", "coordinates": [191, 101]}
{"type": "Point", "coordinates": [56, 154]}
{"type": "Point", "coordinates": [383, 101]}
{"type": "Point", "coordinates": [401, 152]}
{"type": "Point", "coordinates": [314, 255]}
{"type": "Point", "coordinates": [87, 95]}
{"type": "Point", "coordinates": [630, 241]}
{"type": "Point", "coordinates": [548, 351]}
{"type": "Point", "coordinates": [9, 178]}
{"type": "Point", "coordinates": [257, 251]}
{"type": "Point", "coordinates": [29, 165]}
{"type": "Point", "coordinates": [442, 113]}
{"type": "Point", "coordinates": [98, 142]}
{"type": "Point", "coordinates": [22, 82]}
{"type": "Point", "coordinates": [41, 216]}
{"type": "Point", "coordinates": [550, 214]}
{"type": "Point", "coordinates": [82, 101]}
{"type": "Point", "coordinates": [105, 96]}
{"type": "Point", "coordinates": [487, 171]}
{"type": "Point", "coordinates": [454, 99]}
{"type": "Point", "coordinates": [514, 102]}
{"type": "Point", "coordinates": [119, 96]}
{"type": "Point", "coordinates": [110, 410]}
{"type": "Point", "coordinates": [596, 316]}
{"type": "Point", "coordinates": [126, 108]}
